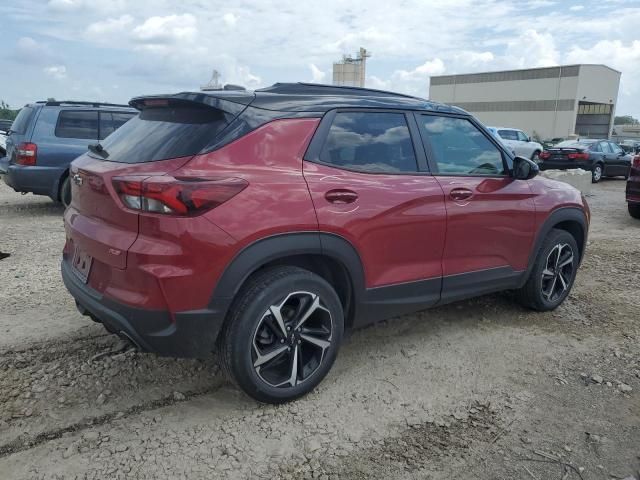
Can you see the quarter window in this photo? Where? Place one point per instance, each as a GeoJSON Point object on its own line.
{"type": "Point", "coordinates": [79, 124]}
{"type": "Point", "coordinates": [460, 148]}
{"type": "Point", "coordinates": [374, 142]}
{"type": "Point", "coordinates": [508, 134]}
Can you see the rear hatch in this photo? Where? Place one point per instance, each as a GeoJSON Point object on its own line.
{"type": "Point", "coordinates": [103, 220]}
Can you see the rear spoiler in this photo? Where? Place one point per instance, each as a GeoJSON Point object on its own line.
{"type": "Point", "coordinates": [231, 102]}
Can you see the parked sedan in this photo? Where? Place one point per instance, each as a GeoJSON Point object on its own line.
{"type": "Point", "coordinates": [601, 157]}
{"type": "Point", "coordinates": [633, 188]}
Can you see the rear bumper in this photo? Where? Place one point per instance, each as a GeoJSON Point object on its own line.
{"type": "Point", "coordinates": [562, 165]}
{"type": "Point", "coordinates": [34, 179]}
{"type": "Point", "coordinates": [191, 334]}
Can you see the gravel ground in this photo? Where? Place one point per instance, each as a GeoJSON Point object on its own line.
{"type": "Point", "coordinates": [478, 389]}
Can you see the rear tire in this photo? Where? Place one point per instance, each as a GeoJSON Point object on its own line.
{"type": "Point", "coordinates": [65, 192]}
{"type": "Point", "coordinates": [553, 273]}
{"type": "Point", "coordinates": [634, 210]}
{"type": "Point", "coordinates": [597, 173]}
{"type": "Point", "coordinates": [282, 334]}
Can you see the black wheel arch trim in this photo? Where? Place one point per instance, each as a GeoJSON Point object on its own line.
{"type": "Point", "coordinates": [556, 217]}
{"type": "Point", "coordinates": [269, 249]}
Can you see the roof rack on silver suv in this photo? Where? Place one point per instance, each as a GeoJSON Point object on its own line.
{"type": "Point", "coordinates": [57, 103]}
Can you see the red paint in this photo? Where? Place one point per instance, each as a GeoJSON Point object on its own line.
{"type": "Point", "coordinates": [404, 227]}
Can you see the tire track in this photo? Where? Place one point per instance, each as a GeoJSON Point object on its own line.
{"type": "Point", "coordinates": [21, 444]}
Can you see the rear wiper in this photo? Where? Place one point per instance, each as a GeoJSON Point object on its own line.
{"type": "Point", "coordinates": [98, 149]}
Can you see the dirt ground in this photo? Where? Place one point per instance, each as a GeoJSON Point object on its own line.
{"type": "Point", "coordinates": [478, 389]}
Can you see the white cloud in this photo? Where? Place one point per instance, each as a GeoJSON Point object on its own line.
{"type": "Point", "coordinates": [576, 8]}
{"type": "Point", "coordinates": [230, 19]}
{"type": "Point", "coordinates": [57, 72]}
{"type": "Point", "coordinates": [317, 75]}
{"type": "Point", "coordinates": [532, 49]}
{"type": "Point", "coordinates": [166, 30]}
{"type": "Point", "coordinates": [109, 27]}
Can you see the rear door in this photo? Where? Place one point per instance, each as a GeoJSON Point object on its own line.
{"type": "Point", "coordinates": [370, 185]}
{"type": "Point", "coordinates": [157, 141]}
{"type": "Point", "coordinates": [490, 215]}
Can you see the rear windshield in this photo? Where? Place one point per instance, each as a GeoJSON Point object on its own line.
{"type": "Point", "coordinates": [573, 144]}
{"type": "Point", "coordinates": [21, 122]}
{"type": "Point", "coordinates": [160, 133]}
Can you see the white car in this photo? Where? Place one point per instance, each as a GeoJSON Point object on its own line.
{"type": "Point", "coordinates": [3, 143]}
{"type": "Point", "coordinates": [518, 141]}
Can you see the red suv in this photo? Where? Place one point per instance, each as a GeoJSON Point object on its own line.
{"type": "Point", "coordinates": [263, 224]}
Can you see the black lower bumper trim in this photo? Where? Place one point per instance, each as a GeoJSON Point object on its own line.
{"type": "Point", "coordinates": [192, 334]}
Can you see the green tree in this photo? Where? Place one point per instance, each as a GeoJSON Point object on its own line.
{"type": "Point", "coordinates": [6, 112]}
{"type": "Point", "coordinates": [625, 120]}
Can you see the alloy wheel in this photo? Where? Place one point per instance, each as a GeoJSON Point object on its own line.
{"type": "Point", "coordinates": [558, 272]}
{"type": "Point", "coordinates": [597, 173]}
{"type": "Point", "coordinates": [291, 339]}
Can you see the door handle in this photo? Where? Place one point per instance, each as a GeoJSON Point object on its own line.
{"type": "Point", "coordinates": [459, 194]}
{"type": "Point", "coordinates": [341, 196]}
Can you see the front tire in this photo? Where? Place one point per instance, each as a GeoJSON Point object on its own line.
{"type": "Point", "coordinates": [634, 210]}
{"type": "Point", "coordinates": [535, 156]}
{"type": "Point", "coordinates": [597, 173]}
{"type": "Point", "coordinates": [282, 335]}
{"type": "Point", "coordinates": [553, 273]}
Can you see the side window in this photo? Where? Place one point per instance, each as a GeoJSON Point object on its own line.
{"type": "Point", "coordinates": [460, 148]}
{"type": "Point", "coordinates": [508, 134]}
{"type": "Point", "coordinates": [78, 124]}
{"type": "Point", "coordinates": [111, 121]}
{"type": "Point", "coordinates": [615, 148]}
{"type": "Point", "coordinates": [595, 147]}
{"type": "Point", "coordinates": [374, 142]}
{"type": "Point", "coordinates": [522, 137]}
{"type": "Point", "coordinates": [605, 147]}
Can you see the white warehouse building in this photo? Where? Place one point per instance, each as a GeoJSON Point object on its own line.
{"type": "Point", "coordinates": [548, 102]}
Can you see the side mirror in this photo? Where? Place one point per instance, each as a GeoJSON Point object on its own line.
{"type": "Point", "coordinates": [524, 169]}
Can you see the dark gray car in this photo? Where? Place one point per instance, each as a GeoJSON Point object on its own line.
{"type": "Point", "coordinates": [602, 158]}
{"type": "Point", "coordinates": [46, 136]}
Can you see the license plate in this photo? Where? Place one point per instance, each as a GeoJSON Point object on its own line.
{"type": "Point", "coordinates": [81, 264]}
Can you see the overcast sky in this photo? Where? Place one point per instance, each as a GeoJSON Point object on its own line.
{"type": "Point", "coordinates": [111, 50]}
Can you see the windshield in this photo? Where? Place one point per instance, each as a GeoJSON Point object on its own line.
{"type": "Point", "coordinates": [160, 133]}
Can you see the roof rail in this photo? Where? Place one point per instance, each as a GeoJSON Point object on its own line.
{"type": "Point", "coordinates": [57, 103]}
{"type": "Point", "coordinates": [321, 89]}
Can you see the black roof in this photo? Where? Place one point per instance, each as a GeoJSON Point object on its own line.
{"type": "Point", "coordinates": [308, 97]}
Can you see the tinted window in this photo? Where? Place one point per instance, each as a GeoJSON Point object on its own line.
{"type": "Point", "coordinates": [79, 124]}
{"type": "Point", "coordinates": [522, 137]}
{"type": "Point", "coordinates": [370, 142]}
{"type": "Point", "coordinates": [22, 120]}
{"type": "Point", "coordinates": [595, 147]}
{"type": "Point", "coordinates": [615, 148]}
{"type": "Point", "coordinates": [508, 134]}
{"type": "Point", "coordinates": [605, 147]}
{"type": "Point", "coordinates": [460, 148]}
{"type": "Point", "coordinates": [159, 133]}
{"type": "Point", "coordinates": [111, 121]}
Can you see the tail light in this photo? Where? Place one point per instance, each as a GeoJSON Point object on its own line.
{"type": "Point", "coordinates": [636, 162]}
{"type": "Point", "coordinates": [27, 154]}
{"type": "Point", "coordinates": [181, 196]}
{"type": "Point", "coordinates": [544, 155]}
{"type": "Point", "coordinates": [578, 156]}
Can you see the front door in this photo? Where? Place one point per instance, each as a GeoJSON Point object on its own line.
{"type": "Point", "coordinates": [490, 215]}
{"type": "Point", "coordinates": [370, 185]}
